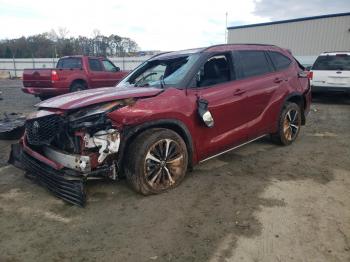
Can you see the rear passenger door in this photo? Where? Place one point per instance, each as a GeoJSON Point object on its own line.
{"type": "Point", "coordinates": [284, 66]}
{"type": "Point", "coordinates": [257, 77]}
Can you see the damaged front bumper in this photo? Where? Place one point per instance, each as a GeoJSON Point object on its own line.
{"type": "Point", "coordinates": [66, 183]}
{"type": "Point", "coordinates": [62, 150]}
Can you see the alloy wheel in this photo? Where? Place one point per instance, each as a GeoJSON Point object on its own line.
{"type": "Point", "coordinates": [291, 124]}
{"type": "Point", "coordinates": [164, 162]}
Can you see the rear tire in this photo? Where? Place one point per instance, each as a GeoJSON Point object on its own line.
{"type": "Point", "coordinates": [77, 87]}
{"type": "Point", "coordinates": [288, 125]}
{"type": "Point", "coordinates": [156, 161]}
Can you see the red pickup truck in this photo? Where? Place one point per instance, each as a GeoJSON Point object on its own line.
{"type": "Point", "coordinates": [72, 73]}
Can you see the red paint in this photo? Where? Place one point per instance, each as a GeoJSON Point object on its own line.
{"type": "Point", "coordinates": [38, 156]}
{"type": "Point", "coordinates": [242, 109]}
{"type": "Point", "coordinates": [55, 81]}
{"type": "Point", "coordinates": [96, 96]}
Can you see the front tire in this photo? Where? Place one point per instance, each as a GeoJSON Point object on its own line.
{"type": "Point", "coordinates": [156, 161]}
{"type": "Point", "coordinates": [289, 124]}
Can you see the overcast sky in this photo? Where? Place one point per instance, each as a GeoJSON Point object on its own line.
{"type": "Point", "coordinates": [153, 24]}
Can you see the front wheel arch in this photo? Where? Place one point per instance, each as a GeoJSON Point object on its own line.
{"type": "Point", "coordinates": [157, 154]}
{"type": "Point", "coordinates": [131, 133]}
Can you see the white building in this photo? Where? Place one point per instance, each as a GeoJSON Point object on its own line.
{"type": "Point", "coordinates": [305, 37]}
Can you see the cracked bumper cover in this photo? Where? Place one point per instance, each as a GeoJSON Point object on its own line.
{"type": "Point", "coordinates": [69, 188]}
{"type": "Point", "coordinates": [64, 183]}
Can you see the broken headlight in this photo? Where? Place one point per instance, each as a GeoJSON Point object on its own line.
{"type": "Point", "coordinates": [92, 116]}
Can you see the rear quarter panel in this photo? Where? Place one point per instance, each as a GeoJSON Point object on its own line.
{"type": "Point", "coordinates": [67, 77]}
{"type": "Point", "coordinates": [291, 85]}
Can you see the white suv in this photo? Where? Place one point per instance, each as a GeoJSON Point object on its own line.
{"type": "Point", "coordinates": [331, 72]}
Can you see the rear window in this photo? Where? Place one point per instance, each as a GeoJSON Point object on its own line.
{"type": "Point", "coordinates": [279, 61]}
{"type": "Point", "coordinates": [253, 63]}
{"type": "Point", "coordinates": [70, 62]}
{"type": "Point", "coordinates": [332, 62]}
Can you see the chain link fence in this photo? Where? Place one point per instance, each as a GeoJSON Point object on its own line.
{"type": "Point", "coordinates": [14, 67]}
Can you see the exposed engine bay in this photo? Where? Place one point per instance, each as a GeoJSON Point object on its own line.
{"type": "Point", "coordinates": [83, 140]}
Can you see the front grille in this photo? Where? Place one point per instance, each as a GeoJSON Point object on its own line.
{"type": "Point", "coordinates": [72, 191]}
{"type": "Point", "coordinates": [41, 131]}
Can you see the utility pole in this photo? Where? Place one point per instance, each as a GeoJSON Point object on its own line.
{"type": "Point", "coordinates": [226, 28]}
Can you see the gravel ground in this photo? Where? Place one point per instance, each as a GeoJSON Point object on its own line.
{"type": "Point", "coordinates": [260, 203]}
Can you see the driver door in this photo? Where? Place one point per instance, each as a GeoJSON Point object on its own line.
{"type": "Point", "coordinates": [113, 73]}
{"type": "Point", "coordinates": [216, 83]}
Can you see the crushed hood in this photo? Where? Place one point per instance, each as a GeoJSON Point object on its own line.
{"type": "Point", "coordinates": [94, 96]}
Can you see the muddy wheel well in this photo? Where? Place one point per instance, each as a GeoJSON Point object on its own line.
{"type": "Point", "coordinates": [175, 126]}
{"type": "Point", "coordinates": [300, 101]}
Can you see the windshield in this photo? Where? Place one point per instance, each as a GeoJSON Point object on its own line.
{"type": "Point", "coordinates": [163, 72]}
{"type": "Point", "coordinates": [334, 62]}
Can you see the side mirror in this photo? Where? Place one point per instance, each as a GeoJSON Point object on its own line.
{"type": "Point", "coordinates": [117, 69]}
{"type": "Point", "coordinates": [303, 74]}
{"type": "Point", "coordinates": [204, 113]}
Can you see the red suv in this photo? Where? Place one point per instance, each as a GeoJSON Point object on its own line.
{"type": "Point", "coordinates": [175, 110]}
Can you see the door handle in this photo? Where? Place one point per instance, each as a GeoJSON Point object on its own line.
{"type": "Point", "coordinates": [238, 92]}
{"type": "Point", "coordinates": [278, 80]}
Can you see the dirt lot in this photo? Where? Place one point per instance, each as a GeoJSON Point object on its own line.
{"type": "Point", "coordinates": [260, 203]}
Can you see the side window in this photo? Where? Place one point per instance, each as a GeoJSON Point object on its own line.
{"type": "Point", "coordinates": [279, 61]}
{"type": "Point", "coordinates": [215, 70]}
{"type": "Point", "coordinates": [70, 62]}
{"type": "Point", "coordinates": [253, 63]}
{"type": "Point", "coordinates": [95, 65]}
{"type": "Point", "coordinates": [109, 66]}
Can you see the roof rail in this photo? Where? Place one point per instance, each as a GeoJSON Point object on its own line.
{"type": "Point", "coordinates": [236, 44]}
{"type": "Point", "coordinates": [162, 53]}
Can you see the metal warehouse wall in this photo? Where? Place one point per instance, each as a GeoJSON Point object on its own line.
{"type": "Point", "coordinates": [304, 38]}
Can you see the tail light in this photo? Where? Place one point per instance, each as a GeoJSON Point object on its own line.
{"type": "Point", "coordinates": [310, 75]}
{"type": "Point", "coordinates": [54, 76]}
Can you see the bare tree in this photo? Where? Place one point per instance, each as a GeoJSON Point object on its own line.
{"type": "Point", "coordinates": [96, 33]}
{"type": "Point", "coordinates": [52, 35]}
{"type": "Point", "coordinates": [63, 32]}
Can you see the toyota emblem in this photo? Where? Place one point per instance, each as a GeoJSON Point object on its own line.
{"type": "Point", "coordinates": [36, 127]}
